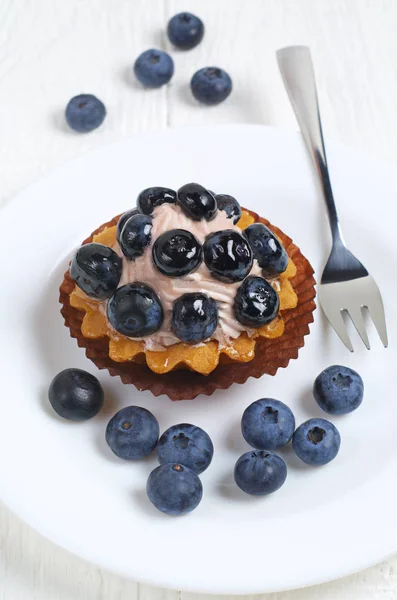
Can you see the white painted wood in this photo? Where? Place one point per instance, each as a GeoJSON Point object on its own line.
{"type": "Point", "coordinates": [52, 49]}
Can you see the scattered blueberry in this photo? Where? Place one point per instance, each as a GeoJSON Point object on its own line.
{"type": "Point", "coordinates": [187, 445]}
{"type": "Point", "coordinates": [97, 270]}
{"type": "Point", "coordinates": [174, 489]}
{"type": "Point", "coordinates": [260, 473]}
{"type": "Point", "coordinates": [338, 390]}
{"type": "Point", "coordinates": [267, 424]}
{"type": "Point", "coordinates": [149, 198]}
{"type": "Point", "coordinates": [136, 236]}
{"type": "Point", "coordinates": [135, 310]}
{"type": "Point", "coordinates": [132, 433]}
{"type": "Point", "coordinates": [153, 68]}
{"type": "Point", "coordinates": [85, 113]}
{"type": "Point", "coordinates": [256, 302]}
{"type": "Point", "coordinates": [227, 255]}
{"type": "Point", "coordinates": [75, 395]}
{"type": "Point", "coordinates": [123, 220]}
{"type": "Point", "coordinates": [177, 252]}
{"type": "Point", "coordinates": [194, 318]}
{"type": "Point", "coordinates": [267, 249]}
{"type": "Point", "coordinates": [211, 85]}
{"type": "Point", "coordinates": [185, 30]}
{"type": "Point", "coordinates": [316, 441]}
{"type": "Point", "coordinates": [230, 205]}
{"type": "Point", "coordinates": [197, 202]}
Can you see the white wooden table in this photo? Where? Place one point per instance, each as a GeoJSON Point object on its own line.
{"type": "Point", "coordinates": [51, 50]}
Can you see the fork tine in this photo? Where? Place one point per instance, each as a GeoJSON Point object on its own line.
{"type": "Point", "coordinates": [334, 316]}
{"type": "Point", "coordinates": [377, 313]}
{"type": "Point", "coordinates": [356, 316]}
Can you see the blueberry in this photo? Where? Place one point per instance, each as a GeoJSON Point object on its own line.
{"type": "Point", "coordinates": [85, 113]}
{"type": "Point", "coordinates": [136, 236]}
{"type": "Point", "coordinates": [151, 197]}
{"type": "Point", "coordinates": [316, 441]}
{"type": "Point", "coordinates": [194, 317]}
{"type": "Point", "coordinates": [135, 310]}
{"type": "Point", "coordinates": [230, 205]}
{"type": "Point", "coordinates": [267, 424]}
{"type": "Point", "coordinates": [187, 445]}
{"type": "Point", "coordinates": [153, 68]}
{"type": "Point", "coordinates": [185, 30]}
{"type": "Point", "coordinates": [267, 249]}
{"type": "Point", "coordinates": [211, 85]}
{"type": "Point", "coordinates": [174, 489]}
{"type": "Point", "coordinates": [227, 255]}
{"type": "Point", "coordinates": [197, 202]}
{"type": "Point", "coordinates": [123, 220]}
{"type": "Point", "coordinates": [338, 390]}
{"type": "Point", "coordinates": [97, 270]}
{"type": "Point", "coordinates": [177, 252]}
{"type": "Point", "coordinates": [260, 473]}
{"type": "Point", "coordinates": [256, 302]}
{"type": "Point", "coordinates": [75, 395]}
{"type": "Point", "coordinates": [132, 433]}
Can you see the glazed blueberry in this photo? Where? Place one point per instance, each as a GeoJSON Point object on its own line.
{"type": "Point", "coordinates": [177, 252]}
{"type": "Point", "coordinates": [211, 85]}
{"type": "Point", "coordinates": [97, 270]}
{"type": "Point", "coordinates": [149, 198]}
{"type": "Point", "coordinates": [153, 68]}
{"type": "Point", "coordinates": [123, 220]}
{"type": "Point", "coordinates": [174, 489]}
{"type": "Point", "coordinates": [84, 113]}
{"type": "Point", "coordinates": [187, 445]}
{"type": "Point", "coordinates": [316, 442]}
{"type": "Point", "coordinates": [227, 255]}
{"type": "Point", "coordinates": [256, 302]}
{"type": "Point", "coordinates": [136, 235]}
{"type": "Point", "coordinates": [194, 318]}
{"type": "Point", "coordinates": [185, 30]}
{"type": "Point", "coordinates": [135, 310]}
{"type": "Point", "coordinates": [75, 395]}
{"type": "Point", "coordinates": [197, 202]}
{"type": "Point", "coordinates": [267, 424]}
{"type": "Point", "coordinates": [230, 205]}
{"type": "Point", "coordinates": [267, 249]}
{"type": "Point", "coordinates": [132, 433]}
{"type": "Point", "coordinates": [260, 473]}
{"type": "Point", "coordinates": [338, 390]}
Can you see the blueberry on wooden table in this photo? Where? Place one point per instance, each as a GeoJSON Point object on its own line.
{"type": "Point", "coordinates": [174, 489]}
{"type": "Point", "coordinates": [177, 252]}
{"type": "Point", "coordinates": [96, 269]}
{"type": "Point", "coordinates": [84, 113]}
{"type": "Point", "coordinates": [152, 197]}
{"type": "Point", "coordinates": [187, 445]}
{"type": "Point", "coordinates": [260, 472]}
{"type": "Point", "coordinates": [211, 85]}
{"type": "Point", "coordinates": [76, 395]}
{"type": "Point", "coordinates": [338, 390]}
{"type": "Point", "coordinates": [132, 433]}
{"type": "Point", "coordinates": [185, 30]}
{"type": "Point", "coordinates": [227, 255]}
{"type": "Point", "coordinates": [194, 317]}
{"type": "Point", "coordinates": [267, 424]}
{"type": "Point", "coordinates": [135, 310]}
{"type": "Point", "coordinates": [316, 442]}
{"type": "Point", "coordinates": [267, 248]}
{"type": "Point", "coordinates": [256, 302]}
{"type": "Point", "coordinates": [154, 68]}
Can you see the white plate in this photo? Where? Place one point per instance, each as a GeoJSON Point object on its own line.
{"type": "Point", "coordinates": [61, 478]}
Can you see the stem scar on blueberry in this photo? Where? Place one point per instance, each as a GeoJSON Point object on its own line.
{"type": "Point", "coordinates": [184, 18]}
{"type": "Point", "coordinates": [270, 414]}
{"type": "Point", "coordinates": [178, 468]}
{"type": "Point", "coordinates": [126, 425]}
{"type": "Point", "coordinates": [316, 435]}
{"type": "Point", "coordinates": [182, 440]}
{"type": "Point", "coordinates": [214, 73]}
{"type": "Point", "coordinates": [154, 58]}
{"type": "Point", "coordinates": [82, 104]}
{"type": "Point", "coordinates": [342, 381]}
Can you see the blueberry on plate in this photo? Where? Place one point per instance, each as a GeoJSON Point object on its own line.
{"type": "Point", "coordinates": [84, 113]}
{"type": "Point", "coordinates": [132, 433]}
{"type": "Point", "coordinates": [260, 472]}
{"type": "Point", "coordinates": [136, 235]}
{"type": "Point", "coordinates": [316, 442]}
{"type": "Point", "coordinates": [177, 253]}
{"type": "Point", "coordinates": [174, 489]}
{"type": "Point", "coordinates": [135, 310]}
{"type": "Point", "coordinates": [267, 424]}
{"type": "Point", "coordinates": [97, 270]}
{"type": "Point", "coordinates": [338, 390]}
{"type": "Point", "coordinates": [75, 395]}
{"type": "Point", "coordinates": [230, 205]}
{"type": "Point", "coordinates": [267, 248]}
{"type": "Point", "coordinates": [197, 202]}
{"type": "Point", "coordinates": [194, 317]}
{"type": "Point", "coordinates": [152, 197]}
{"type": "Point", "coordinates": [256, 302]}
{"type": "Point", "coordinates": [185, 30]}
{"type": "Point", "coordinates": [227, 255]}
{"type": "Point", "coordinates": [187, 445]}
{"type": "Point", "coordinates": [211, 85]}
{"type": "Point", "coordinates": [153, 68]}
{"type": "Point", "coordinates": [123, 220]}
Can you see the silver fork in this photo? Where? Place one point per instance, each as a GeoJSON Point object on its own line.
{"type": "Point", "coordinates": [346, 286]}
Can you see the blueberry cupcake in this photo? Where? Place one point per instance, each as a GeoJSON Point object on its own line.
{"type": "Point", "coordinates": [188, 293]}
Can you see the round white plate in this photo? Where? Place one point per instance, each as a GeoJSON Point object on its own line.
{"type": "Point", "coordinates": [62, 479]}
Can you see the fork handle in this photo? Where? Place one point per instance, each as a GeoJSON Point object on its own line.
{"type": "Point", "coordinates": [296, 67]}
